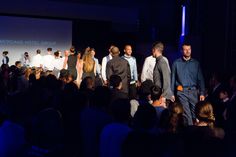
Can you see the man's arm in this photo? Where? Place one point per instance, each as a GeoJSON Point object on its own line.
{"type": "Point", "coordinates": [144, 70]}
{"type": "Point", "coordinates": [173, 77]}
{"type": "Point", "coordinates": [135, 70]}
{"type": "Point", "coordinates": [104, 62]}
{"type": "Point", "coordinates": [165, 72]}
{"type": "Point", "coordinates": [201, 83]}
{"type": "Point", "coordinates": [109, 71]}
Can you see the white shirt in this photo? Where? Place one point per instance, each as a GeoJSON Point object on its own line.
{"type": "Point", "coordinates": [58, 63]}
{"type": "Point", "coordinates": [48, 62]}
{"type": "Point", "coordinates": [104, 64]}
{"type": "Point", "coordinates": [37, 60]}
{"type": "Point", "coordinates": [148, 67]}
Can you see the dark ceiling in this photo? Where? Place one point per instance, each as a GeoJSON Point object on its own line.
{"type": "Point", "coordinates": [118, 3]}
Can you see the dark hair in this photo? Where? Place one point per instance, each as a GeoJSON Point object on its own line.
{"type": "Point", "coordinates": [56, 53]}
{"type": "Point", "coordinates": [17, 62]}
{"type": "Point", "coordinates": [158, 45]}
{"type": "Point", "coordinates": [5, 52]}
{"type": "Point", "coordinates": [49, 49]}
{"type": "Point", "coordinates": [156, 92]}
{"type": "Point", "coordinates": [115, 81]}
{"type": "Point", "coordinates": [145, 88]}
{"type": "Point", "coordinates": [26, 54]}
{"type": "Point", "coordinates": [38, 51]}
{"type": "Point", "coordinates": [186, 42]}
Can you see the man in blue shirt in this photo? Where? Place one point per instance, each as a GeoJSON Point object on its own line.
{"type": "Point", "coordinates": [186, 81]}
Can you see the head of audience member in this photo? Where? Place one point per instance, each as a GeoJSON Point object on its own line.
{"type": "Point", "coordinates": [156, 92]}
{"type": "Point", "coordinates": [128, 50]}
{"type": "Point", "coordinates": [120, 109]}
{"type": "Point", "coordinates": [70, 78]}
{"type": "Point", "coordinates": [157, 49]}
{"type": "Point", "coordinates": [18, 64]}
{"type": "Point", "coordinates": [145, 117]}
{"type": "Point", "coordinates": [145, 91]}
{"type": "Point", "coordinates": [87, 84]}
{"type": "Point", "coordinates": [63, 75]}
{"type": "Point", "coordinates": [22, 71]}
{"type": "Point", "coordinates": [115, 51]}
{"type": "Point", "coordinates": [70, 88]}
{"type": "Point", "coordinates": [204, 114]}
{"type": "Point", "coordinates": [102, 97]}
{"type": "Point", "coordinates": [172, 118]}
{"type": "Point", "coordinates": [115, 82]}
{"type": "Point", "coordinates": [224, 94]}
{"type": "Point", "coordinates": [4, 53]}
{"type": "Point", "coordinates": [186, 50]}
{"type": "Point", "coordinates": [38, 51]}
{"type": "Point", "coordinates": [28, 71]}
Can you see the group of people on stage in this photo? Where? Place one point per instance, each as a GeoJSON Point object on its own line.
{"type": "Point", "coordinates": [184, 79]}
{"type": "Point", "coordinates": [71, 104]}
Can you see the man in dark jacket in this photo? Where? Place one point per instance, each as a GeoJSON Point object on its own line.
{"type": "Point", "coordinates": [119, 66]}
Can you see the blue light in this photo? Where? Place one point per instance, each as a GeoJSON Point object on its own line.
{"type": "Point", "coordinates": [183, 21]}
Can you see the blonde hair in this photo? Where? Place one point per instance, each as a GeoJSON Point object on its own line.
{"type": "Point", "coordinates": [88, 62]}
{"type": "Point", "coordinates": [204, 112]}
{"type": "Point", "coordinates": [28, 71]}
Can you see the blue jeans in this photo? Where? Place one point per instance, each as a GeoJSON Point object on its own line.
{"type": "Point", "coordinates": [188, 98]}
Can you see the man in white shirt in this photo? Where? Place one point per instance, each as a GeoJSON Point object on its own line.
{"type": "Point", "coordinates": [104, 64]}
{"type": "Point", "coordinates": [37, 60]}
{"type": "Point", "coordinates": [48, 61]}
{"type": "Point", "coordinates": [57, 64]}
{"type": "Point", "coordinates": [148, 67]}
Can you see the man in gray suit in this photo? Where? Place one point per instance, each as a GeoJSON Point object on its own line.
{"type": "Point", "coordinates": [161, 72]}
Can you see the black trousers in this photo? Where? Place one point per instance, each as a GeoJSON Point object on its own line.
{"type": "Point", "coordinates": [132, 91]}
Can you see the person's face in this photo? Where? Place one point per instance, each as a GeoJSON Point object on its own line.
{"type": "Point", "coordinates": [128, 50]}
{"type": "Point", "coordinates": [93, 53]}
{"type": "Point", "coordinates": [154, 52]}
{"type": "Point", "coordinates": [79, 55]}
{"type": "Point", "coordinates": [18, 65]}
{"type": "Point", "coordinates": [67, 53]}
{"type": "Point", "coordinates": [111, 48]}
{"type": "Point", "coordinates": [186, 51]}
{"type": "Point", "coordinates": [223, 95]}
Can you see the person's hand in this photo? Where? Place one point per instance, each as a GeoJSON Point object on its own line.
{"type": "Point", "coordinates": [105, 83]}
{"type": "Point", "coordinates": [173, 98]}
{"type": "Point", "coordinates": [202, 98]}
